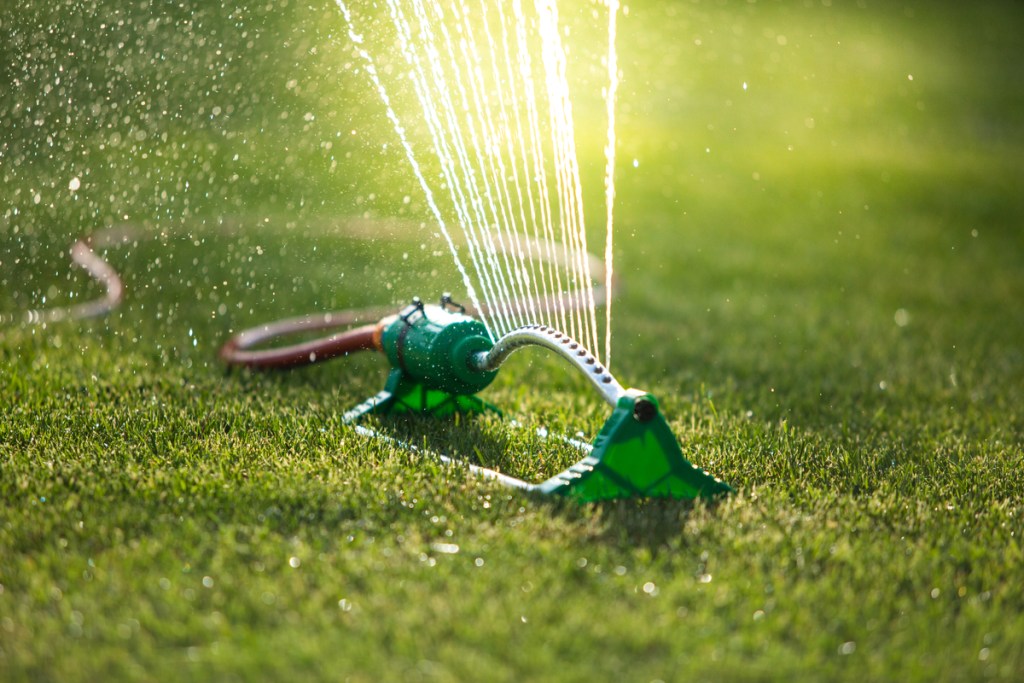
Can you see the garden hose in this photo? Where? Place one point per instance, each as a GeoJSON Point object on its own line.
{"type": "Point", "coordinates": [237, 350]}
{"type": "Point", "coordinates": [84, 256]}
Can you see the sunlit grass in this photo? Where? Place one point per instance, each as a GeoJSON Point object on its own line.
{"type": "Point", "coordinates": [821, 282]}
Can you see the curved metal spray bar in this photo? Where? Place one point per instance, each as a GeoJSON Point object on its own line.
{"type": "Point", "coordinates": [563, 345]}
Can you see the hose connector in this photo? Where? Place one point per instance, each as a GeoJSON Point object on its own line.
{"type": "Point", "coordinates": [434, 345]}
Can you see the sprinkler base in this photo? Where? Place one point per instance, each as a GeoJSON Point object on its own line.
{"type": "Point", "coordinates": [635, 455]}
{"type": "Point", "coordinates": [404, 395]}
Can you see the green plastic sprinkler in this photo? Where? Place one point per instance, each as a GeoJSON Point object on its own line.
{"type": "Point", "coordinates": [441, 357]}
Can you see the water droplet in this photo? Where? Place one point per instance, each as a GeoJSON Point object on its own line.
{"type": "Point", "coordinates": [446, 548]}
{"type": "Point", "coordinates": [74, 184]}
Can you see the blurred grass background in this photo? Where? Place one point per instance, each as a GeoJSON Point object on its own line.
{"type": "Point", "coordinates": [819, 241]}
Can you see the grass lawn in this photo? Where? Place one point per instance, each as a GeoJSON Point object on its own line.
{"type": "Point", "coordinates": [820, 237]}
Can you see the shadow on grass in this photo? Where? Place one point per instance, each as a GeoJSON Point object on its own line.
{"type": "Point", "coordinates": [488, 440]}
{"type": "Point", "coordinates": [654, 524]}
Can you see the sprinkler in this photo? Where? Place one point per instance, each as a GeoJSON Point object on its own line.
{"type": "Point", "coordinates": [441, 357]}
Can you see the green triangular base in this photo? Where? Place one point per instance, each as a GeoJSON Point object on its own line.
{"type": "Point", "coordinates": [635, 455]}
{"type": "Point", "coordinates": [408, 396]}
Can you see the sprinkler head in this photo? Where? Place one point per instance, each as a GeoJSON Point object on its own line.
{"type": "Point", "coordinates": [433, 345]}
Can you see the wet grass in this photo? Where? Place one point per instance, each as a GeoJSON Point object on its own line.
{"type": "Point", "coordinates": [822, 282]}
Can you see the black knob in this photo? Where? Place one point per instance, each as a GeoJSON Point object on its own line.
{"type": "Point", "coordinates": [644, 410]}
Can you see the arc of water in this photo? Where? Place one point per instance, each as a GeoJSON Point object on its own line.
{"type": "Point", "coordinates": [482, 137]}
{"type": "Point", "coordinates": [545, 236]}
{"type": "Point", "coordinates": [568, 170]}
{"type": "Point", "coordinates": [547, 27]}
{"type": "Point", "coordinates": [475, 176]}
{"type": "Point", "coordinates": [441, 146]}
{"type": "Point", "coordinates": [469, 211]}
{"type": "Point", "coordinates": [609, 174]}
{"type": "Point", "coordinates": [493, 132]}
{"type": "Point", "coordinates": [481, 150]}
{"type": "Point", "coordinates": [442, 93]}
{"type": "Point", "coordinates": [371, 71]}
{"type": "Point", "coordinates": [538, 284]}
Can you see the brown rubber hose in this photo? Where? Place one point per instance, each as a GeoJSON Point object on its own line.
{"type": "Point", "coordinates": [238, 350]}
{"type": "Point", "coordinates": [83, 256]}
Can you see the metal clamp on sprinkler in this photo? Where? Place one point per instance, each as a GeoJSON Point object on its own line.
{"type": "Point", "coordinates": [441, 357]}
